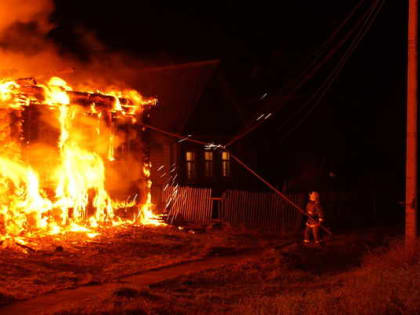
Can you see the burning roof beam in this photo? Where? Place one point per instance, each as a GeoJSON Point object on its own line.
{"type": "Point", "coordinates": [27, 92]}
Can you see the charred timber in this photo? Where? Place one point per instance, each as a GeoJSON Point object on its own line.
{"type": "Point", "coordinates": [88, 99]}
{"type": "Point", "coordinates": [101, 100]}
{"type": "Point", "coordinates": [36, 94]}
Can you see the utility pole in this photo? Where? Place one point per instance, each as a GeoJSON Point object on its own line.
{"type": "Point", "coordinates": [411, 150]}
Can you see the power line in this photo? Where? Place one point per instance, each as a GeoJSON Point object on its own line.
{"type": "Point", "coordinates": [321, 92]}
{"type": "Point", "coordinates": [316, 66]}
{"type": "Point", "coordinates": [278, 192]}
{"type": "Point", "coordinates": [365, 24]}
{"type": "Point", "coordinates": [243, 165]}
{"type": "Point", "coordinates": [175, 135]}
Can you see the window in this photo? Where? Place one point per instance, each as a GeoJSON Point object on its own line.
{"type": "Point", "coordinates": [190, 167]}
{"type": "Point", "coordinates": [189, 156]}
{"type": "Point", "coordinates": [225, 164]}
{"type": "Point", "coordinates": [225, 156]}
{"type": "Point", "coordinates": [208, 155]}
{"type": "Point", "coordinates": [208, 163]}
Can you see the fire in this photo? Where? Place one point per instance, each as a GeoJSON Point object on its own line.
{"type": "Point", "coordinates": [68, 193]}
{"type": "Point", "coordinates": [7, 90]}
{"type": "Point", "coordinates": [56, 92]}
{"type": "Point", "coordinates": [147, 212]}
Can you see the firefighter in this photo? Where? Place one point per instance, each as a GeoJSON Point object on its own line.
{"type": "Point", "coordinates": [316, 213]}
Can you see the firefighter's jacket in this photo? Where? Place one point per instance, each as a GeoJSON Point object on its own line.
{"type": "Point", "coordinates": [314, 209]}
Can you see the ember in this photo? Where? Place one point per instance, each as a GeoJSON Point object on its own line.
{"type": "Point", "coordinates": [58, 165]}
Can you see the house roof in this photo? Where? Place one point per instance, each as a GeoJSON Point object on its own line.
{"type": "Point", "coordinates": [178, 89]}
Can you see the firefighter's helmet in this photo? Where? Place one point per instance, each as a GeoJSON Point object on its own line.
{"type": "Point", "coordinates": [314, 196]}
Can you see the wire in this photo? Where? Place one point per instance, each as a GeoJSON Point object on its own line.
{"type": "Point", "coordinates": [278, 192]}
{"type": "Point", "coordinates": [315, 68]}
{"type": "Point", "coordinates": [315, 65]}
{"type": "Point", "coordinates": [175, 135]}
{"type": "Point", "coordinates": [321, 92]}
{"type": "Point", "coordinates": [243, 165]}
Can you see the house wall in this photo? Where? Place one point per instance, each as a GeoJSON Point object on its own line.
{"type": "Point", "coordinates": [163, 156]}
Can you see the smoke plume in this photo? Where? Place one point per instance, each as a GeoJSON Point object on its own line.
{"type": "Point", "coordinates": [24, 48]}
{"type": "Point", "coordinates": [27, 50]}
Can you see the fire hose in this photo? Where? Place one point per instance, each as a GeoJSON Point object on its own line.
{"type": "Point", "coordinates": [278, 192]}
{"type": "Point", "coordinates": [296, 206]}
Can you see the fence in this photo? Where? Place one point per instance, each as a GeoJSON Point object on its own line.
{"type": "Point", "coordinates": [187, 204]}
{"type": "Point", "coordinates": [261, 210]}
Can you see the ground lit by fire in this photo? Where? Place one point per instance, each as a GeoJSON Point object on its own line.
{"type": "Point", "coordinates": [207, 270]}
{"type": "Point", "coordinates": [64, 158]}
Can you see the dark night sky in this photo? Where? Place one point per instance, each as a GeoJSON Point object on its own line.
{"type": "Point", "coordinates": [191, 29]}
{"type": "Point", "coordinates": [362, 115]}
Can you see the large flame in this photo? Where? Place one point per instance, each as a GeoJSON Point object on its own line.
{"type": "Point", "coordinates": [73, 195]}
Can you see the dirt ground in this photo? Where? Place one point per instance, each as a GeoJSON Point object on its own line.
{"type": "Point", "coordinates": [164, 270]}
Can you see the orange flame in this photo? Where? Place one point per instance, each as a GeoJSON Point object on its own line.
{"type": "Point", "coordinates": [79, 201]}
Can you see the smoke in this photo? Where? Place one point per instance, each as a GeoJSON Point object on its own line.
{"type": "Point", "coordinates": [14, 12]}
{"type": "Point", "coordinates": [28, 49]}
{"type": "Point", "coordinates": [24, 47]}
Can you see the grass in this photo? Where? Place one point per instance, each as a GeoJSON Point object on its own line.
{"type": "Point", "coordinates": [355, 273]}
{"type": "Point", "coordinates": [387, 282]}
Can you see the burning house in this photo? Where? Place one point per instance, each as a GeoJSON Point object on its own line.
{"type": "Point", "coordinates": [70, 160]}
